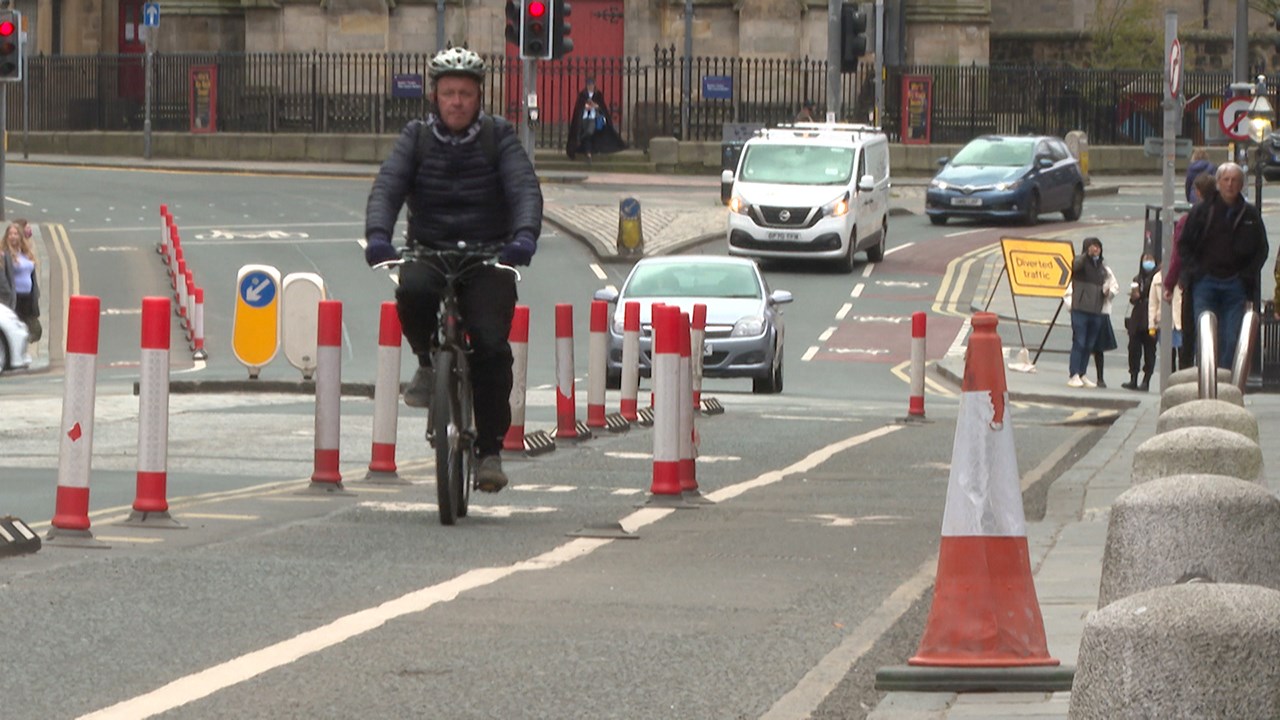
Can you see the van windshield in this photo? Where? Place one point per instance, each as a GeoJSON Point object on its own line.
{"type": "Point", "coordinates": [797, 165]}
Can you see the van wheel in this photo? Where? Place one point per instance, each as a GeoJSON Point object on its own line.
{"type": "Point", "coordinates": [876, 253]}
{"type": "Point", "coordinates": [846, 263]}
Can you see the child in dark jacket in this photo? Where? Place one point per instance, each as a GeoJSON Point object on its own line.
{"type": "Point", "coordinates": [1143, 320]}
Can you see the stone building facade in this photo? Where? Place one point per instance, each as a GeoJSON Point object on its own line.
{"type": "Point", "coordinates": [935, 31]}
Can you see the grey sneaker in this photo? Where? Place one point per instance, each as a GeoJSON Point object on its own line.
{"type": "Point", "coordinates": [489, 475]}
{"type": "Point", "coordinates": [418, 393]}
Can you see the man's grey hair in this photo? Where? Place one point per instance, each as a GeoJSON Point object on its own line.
{"type": "Point", "coordinates": [1228, 167]}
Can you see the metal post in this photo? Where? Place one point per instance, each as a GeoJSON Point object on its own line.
{"type": "Point", "coordinates": [1240, 58]}
{"type": "Point", "coordinates": [879, 66]}
{"type": "Point", "coordinates": [439, 25]}
{"type": "Point", "coordinates": [4, 133]}
{"type": "Point", "coordinates": [26, 102]}
{"type": "Point", "coordinates": [1257, 176]}
{"type": "Point", "coordinates": [146, 101]}
{"type": "Point", "coordinates": [686, 78]}
{"type": "Point", "coordinates": [833, 59]}
{"type": "Point", "coordinates": [528, 98]}
{"type": "Point", "coordinates": [1172, 109]}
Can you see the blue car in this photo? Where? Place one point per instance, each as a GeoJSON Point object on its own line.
{"type": "Point", "coordinates": [1014, 177]}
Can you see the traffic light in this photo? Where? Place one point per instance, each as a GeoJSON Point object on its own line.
{"type": "Point", "coordinates": [10, 45]}
{"type": "Point", "coordinates": [535, 30]}
{"type": "Point", "coordinates": [513, 23]}
{"type": "Point", "coordinates": [853, 39]}
{"type": "Point", "coordinates": [561, 43]}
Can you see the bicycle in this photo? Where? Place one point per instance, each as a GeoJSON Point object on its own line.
{"type": "Point", "coordinates": [451, 429]}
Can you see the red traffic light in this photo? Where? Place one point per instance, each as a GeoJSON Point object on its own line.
{"type": "Point", "coordinates": [535, 9]}
{"type": "Point", "coordinates": [6, 28]}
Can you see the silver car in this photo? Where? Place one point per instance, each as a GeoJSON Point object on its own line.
{"type": "Point", "coordinates": [13, 341]}
{"type": "Point", "coordinates": [745, 331]}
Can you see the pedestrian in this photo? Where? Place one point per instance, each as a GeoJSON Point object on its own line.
{"type": "Point", "coordinates": [1200, 164]}
{"type": "Point", "coordinates": [1142, 323]}
{"type": "Point", "coordinates": [592, 131]}
{"type": "Point", "coordinates": [806, 112]}
{"type": "Point", "coordinates": [20, 261]}
{"type": "Point", "coordinates": [463, 176]}
{"type": "Point", "coordinates": [1173, 285]}
{"type": "Point", "coordinates": [1223, 248]}
{"type": "Point", "coordinates": [1087, 295]}
{"type": "Point", "coordinates": [1107, 333]}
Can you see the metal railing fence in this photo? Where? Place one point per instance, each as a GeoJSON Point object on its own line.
{"type": "Point", "coordinates": [352, 93]}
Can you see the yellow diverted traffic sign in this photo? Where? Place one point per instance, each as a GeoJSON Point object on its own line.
{"type": "Point", "coordinates": [255, 335]}
{"type": "Point", "coordinates": [1040, 268]}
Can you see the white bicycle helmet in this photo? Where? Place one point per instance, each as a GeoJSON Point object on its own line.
{"type": "Point", "coordinates": [457, 61]}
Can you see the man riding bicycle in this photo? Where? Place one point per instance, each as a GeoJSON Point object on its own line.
{"type": "Point", "coordinates": [465, 177]}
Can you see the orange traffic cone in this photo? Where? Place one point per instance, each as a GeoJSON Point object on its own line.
{"type": "Point", "coordinates": [984, 630]}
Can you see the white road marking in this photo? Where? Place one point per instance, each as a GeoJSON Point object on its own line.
{"type": "Point", "coordinates": [958, 233]}
{"type": "Point", "coordinates": [24, 203]}
{"type": "Point", "coordinates": [826, 334]}
{"type": "Point", "coordinates": [866, 270]}
{"type": "Point", "coordinates": [843, 311]}
{"type": "Point", "coordinates": [895, 319]}
{"type": "Point", "coordinates": [217, 516]}
{"type": "Point", "coordinates": [808, 354]}
{"type": "Point", "coordinates": [106, 248]}
{"type": "Point", "coordinates": [858, 351]}
{"type": "Point", "coordinates": [857, 291]}
{"type": "Point", "coordinates": [534, 487]}
{"type": "Point", "coordinates": [202, 684]}
{"type": "Point", "coordinates": [891, 251]}
{"type": "Point", "coordinates": [121, 311]}
{"type": "Point", "coordinates": [902, 283]}
{"type": "Point", "coordinates": [599, 271]}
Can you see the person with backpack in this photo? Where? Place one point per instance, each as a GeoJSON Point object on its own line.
{"type": "Point", "coordinates": [464, 176]}
{"type": "Point", "coordinates": [1143, 322]}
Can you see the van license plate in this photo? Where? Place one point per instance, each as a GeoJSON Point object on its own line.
{"type": "Point", "coordinates": [967, 201]}
{"type": "Point", "coordinates": [783, 235]}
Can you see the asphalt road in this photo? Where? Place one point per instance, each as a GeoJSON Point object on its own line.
{"type": "Point", "coordinates": [276, 604]}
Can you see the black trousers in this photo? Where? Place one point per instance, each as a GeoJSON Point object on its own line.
{"type": "Point", "coordinates": [487, 299]}
{"type": "Point", "coordinates": [1142, 350]}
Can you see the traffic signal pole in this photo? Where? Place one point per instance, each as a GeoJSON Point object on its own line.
{"type": "Point", "coordinates": [833, 58]}
{"type": "Point", "coordinates": [146, 100]}
{"type": "Point", "coordinates": [528, 102]}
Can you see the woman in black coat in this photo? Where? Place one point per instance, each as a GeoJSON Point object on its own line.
{"type": "Point", "coordinates": [591, 129]}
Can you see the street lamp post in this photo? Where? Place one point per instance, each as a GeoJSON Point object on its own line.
{"type": "Point", "coordinates": [1259, 127]}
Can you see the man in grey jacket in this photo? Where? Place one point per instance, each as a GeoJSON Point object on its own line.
{"type": "Point", "coordinates": [466, 177]}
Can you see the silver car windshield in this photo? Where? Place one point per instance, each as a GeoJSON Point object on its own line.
{"type": "Point", "coordinates": [797, 165]}
{"type": "Point", "coordinates": [671, 281]}
{"type": "Point", "coordinates": [1007, 152]}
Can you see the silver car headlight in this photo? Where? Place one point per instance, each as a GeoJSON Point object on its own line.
{"type": "Point", "coordinates": [751, 326]}
{"type": "Point", "coordinates": [938, 184]}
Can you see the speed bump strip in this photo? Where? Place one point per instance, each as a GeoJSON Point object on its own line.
{"type": "Point", "coordinates": [16, 537]}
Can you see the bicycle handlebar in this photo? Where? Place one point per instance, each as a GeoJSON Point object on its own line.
{"type": "Point", "coordinates": [483, 254]}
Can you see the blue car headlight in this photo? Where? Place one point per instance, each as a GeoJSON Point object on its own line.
{"type": "Point", "coordinates": [937, 184]}
{"type": "Point", "coordinates": [1012, 185]}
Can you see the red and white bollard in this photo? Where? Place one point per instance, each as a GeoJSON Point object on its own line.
{"type": "Point", "coordinates": [665, 487]}
{"type": "Point", "coordinates": [175, 244]}
{"type": "Point", "coordinates": [180, 293]}
{"type": "Point", "coordinates": [198, 341]}
{"type": "Point", "coordinates": [630, 385]}
{"type": "Point", "coordinates": [386, 395]}
{"type": "Point", "coordinates": [566, 400]}
{"type": "Point", "coordinates": [697, 338]}
{"type": "Point", "coordinates": [190, 296]}
{"type": "Point", "coordinates": [519, 341]}
{"type": "Point", "coordinates": [163, 246]}
{"type": "Point", "coordinates": [688, 475]}
{"type": "Point", "coordinates": [327, 477]}
{"type": "Point", "coordinates": [70, 524]}
{"type": "Point", "coordinates": [150, 503]}
{"type": "Point", "coordinates": [597, 349]}
{"type": "Point", "coordinates": [915, 406]}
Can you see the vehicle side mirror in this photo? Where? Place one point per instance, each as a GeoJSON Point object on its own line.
{"type": "Point", "coordinates": [609, 294]}
{"type": "Point", "coordinates": [780, 297]}
{"type": "Point", "coordinates": [943, 160]}
{"type": "Point", "coordinates": [1044, 163]}
{"type": "Point", "coordinates": [867, 182]}
{"type": "Point", "coordinates": [726, 176]}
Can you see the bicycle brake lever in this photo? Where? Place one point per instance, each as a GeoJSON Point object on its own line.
{"type": "Point", "coordinates": [385, 264]}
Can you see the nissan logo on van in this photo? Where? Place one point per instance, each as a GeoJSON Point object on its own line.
{"type": "Point", "coordinates": [785, 215]}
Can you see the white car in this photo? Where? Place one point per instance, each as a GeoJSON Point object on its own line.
{"type": "Point", "coordinates": [13, 341]}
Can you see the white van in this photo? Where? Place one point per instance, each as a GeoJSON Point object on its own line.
{"type": "Point", "coordinates": [811, 190]}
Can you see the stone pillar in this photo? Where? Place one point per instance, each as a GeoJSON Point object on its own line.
{"type": "Point", "coordinates": [948, 32]}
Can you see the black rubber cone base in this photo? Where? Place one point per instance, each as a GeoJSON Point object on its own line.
{"type": "Point", "coordinates": [919, 678]}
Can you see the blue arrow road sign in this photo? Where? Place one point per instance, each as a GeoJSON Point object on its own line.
{"type": "Point", "coordinates": [257, 289]}
{"type": "Point", "coordinates": [151, 14]}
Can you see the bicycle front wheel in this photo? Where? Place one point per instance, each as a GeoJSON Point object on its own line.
{"type": "Point", "coordinates": [449, 461]}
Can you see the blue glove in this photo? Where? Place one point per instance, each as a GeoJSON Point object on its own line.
{"type": "Point", "coordinates": [519, 251]}
{"type": "Point", "coordinates": [379, 249]}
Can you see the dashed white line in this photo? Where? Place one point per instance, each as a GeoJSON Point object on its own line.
{"type": "Point", "coordinates": [808, 354]}
{"type": "Point", "coordinates": [843, 311]}
{"type": "Point", "coordinates": [900, 247]}
{"type": "Point", "coordinates": [599, 271]}
{"type": "Point", "coordinates": [826, 334]}
{"type": "Point", "coordinates": [857, 290]}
